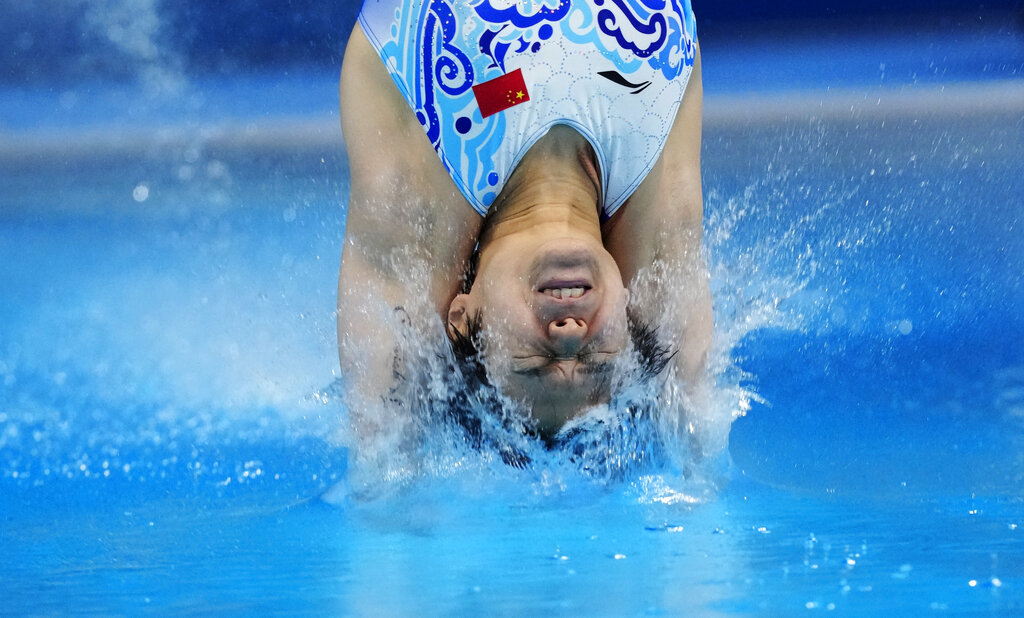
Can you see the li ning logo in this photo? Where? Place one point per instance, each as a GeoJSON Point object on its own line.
{"type": "Point", "coordinates": [619, 79]}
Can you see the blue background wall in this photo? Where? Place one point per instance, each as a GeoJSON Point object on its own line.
{"type": "Point", "coordinates": [57, 41]}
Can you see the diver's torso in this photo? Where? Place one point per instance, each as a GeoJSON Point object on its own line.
{"type": "Point", "coordinates": [487, 79]}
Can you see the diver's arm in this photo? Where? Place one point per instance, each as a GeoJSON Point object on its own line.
{"type": "Point", "coordinates": [408, 229]}
{"type": "Point", "coordinates": [661, 225]}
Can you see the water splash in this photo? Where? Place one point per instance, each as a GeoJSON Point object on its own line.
{"type": "Point", "coordinates": [664, 439]}
{"type": "Point", "coordinates": [134, 29]}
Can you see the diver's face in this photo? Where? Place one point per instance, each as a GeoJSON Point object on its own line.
{"type": "Point", "coordinates": [553, 310]}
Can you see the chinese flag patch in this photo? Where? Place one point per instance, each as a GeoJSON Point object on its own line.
{"type": "Point", "coordinates": [501, 93]}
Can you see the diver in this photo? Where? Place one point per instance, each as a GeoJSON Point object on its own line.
{"type": "Point", "coordinates": [521, 174]}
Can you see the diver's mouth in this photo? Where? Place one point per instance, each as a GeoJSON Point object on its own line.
{"type": "Point", "coordinates": [565, 291]}
{"type": "Point", "coordinates": [564, 272]}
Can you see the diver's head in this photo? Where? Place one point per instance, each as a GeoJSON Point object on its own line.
{"type": "Point", "coordinates": [549, 311]}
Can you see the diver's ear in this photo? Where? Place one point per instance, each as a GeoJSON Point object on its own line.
{"type": "Point", "coordinates": [458, 315]}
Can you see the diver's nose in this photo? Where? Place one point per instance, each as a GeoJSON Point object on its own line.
{"type": "Point", "coordinates": [567, 335]}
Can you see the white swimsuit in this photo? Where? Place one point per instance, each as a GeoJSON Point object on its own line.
{"type": "Point", "coordinates": [488, 78]}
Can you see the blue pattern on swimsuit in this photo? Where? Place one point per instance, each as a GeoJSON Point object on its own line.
{"type": "Point", "coordinates": [615, 70]}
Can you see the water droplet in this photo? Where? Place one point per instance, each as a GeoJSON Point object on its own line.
{"type": "Point", "coordinates": [140, 193]}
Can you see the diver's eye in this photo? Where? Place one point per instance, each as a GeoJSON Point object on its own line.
{"type": "Point", "coordinates": [540, 364]}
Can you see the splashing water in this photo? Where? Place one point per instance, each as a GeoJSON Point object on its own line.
{"type": "Point", "coordinates": [198, 337]}
{"type": "Point", "coordinates": [133, 27]}
{"type": "Point", "coordinates": [639, 440]}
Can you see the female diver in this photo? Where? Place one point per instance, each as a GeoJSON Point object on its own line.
{"type": "Point", "coordinates": [531, 178]}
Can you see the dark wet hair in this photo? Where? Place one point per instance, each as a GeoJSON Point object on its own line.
{"type": "Point", "coordinates": [652, 355]}
{"type": "Point", "coordinates": [477, 392]}
{"type": "Point", "coordinates": [466, 349]}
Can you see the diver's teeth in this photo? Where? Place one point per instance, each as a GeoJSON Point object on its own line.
{"type": "Point", "coordinates": [561, 293]}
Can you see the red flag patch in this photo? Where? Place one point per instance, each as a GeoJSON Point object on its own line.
{"type": "Point", "coordinates": [501, 93]}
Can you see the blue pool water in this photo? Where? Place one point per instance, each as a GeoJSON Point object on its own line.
{"type": "Point", "coordinates": [168, 414]}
